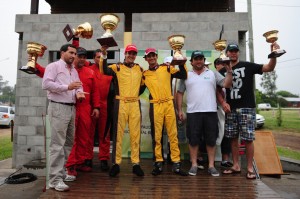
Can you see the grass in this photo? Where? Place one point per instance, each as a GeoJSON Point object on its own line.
{"type": "Point", "coordinates": [288, 153]}
{"type": "Point", "coordinates": [5, 147]}
{"type": "Point", "coordinates": [290, 120]}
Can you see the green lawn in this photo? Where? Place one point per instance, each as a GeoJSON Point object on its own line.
{"type": "Point", "coordinates": [5, 147]}
{"type": "Point", "coordinates": [290, 120]}
{"type": "Point", "coordinates": [288, 153]}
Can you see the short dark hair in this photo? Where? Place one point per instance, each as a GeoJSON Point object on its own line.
{"type": "Point", "coordinates": [95, 52]}
{"type": "Point", "coordinates": [64, 48]}
{"type": "Point", "coordinates": [217, 61]}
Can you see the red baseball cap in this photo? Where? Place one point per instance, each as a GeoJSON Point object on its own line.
{"type": "Point", "coordinates": [149, 50]}
{"type": "Point", "coordinates": [131, 47]}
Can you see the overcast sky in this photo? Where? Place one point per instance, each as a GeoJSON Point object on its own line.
{"type": "Point", "coordinates": [282, 15]}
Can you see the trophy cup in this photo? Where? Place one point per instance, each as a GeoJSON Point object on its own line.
{"type": "Point", "coordinates": [109, 22]}
{"type": "Point", "coordinates": [35, 50]}
{"type": "Point", "coordinates": [84, 30]}
{"type": "Point", "coordinates": [177, 42]}
{"type": "Point", "coordinates": [271, 37]}
{"type": "Point", "coordinates": [220, 45]}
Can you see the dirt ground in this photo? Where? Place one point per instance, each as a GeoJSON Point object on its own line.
{"type": "Point", "coordinates": [4, 131]}
{"type": "Point", "coordinates": [287, 139]}
{"type": "Point", "coordinates": [284, 139]}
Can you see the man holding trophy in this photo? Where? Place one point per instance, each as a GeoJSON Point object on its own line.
{"type": "Point", "coordinates": [158, 79]}
{"type": "Point", "coordinates": [127, 78]}
{"type": "Point", "coordinates": [241, 120]}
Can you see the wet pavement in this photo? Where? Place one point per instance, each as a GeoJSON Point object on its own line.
{"type": "Point", "coordinates": [287, 186]}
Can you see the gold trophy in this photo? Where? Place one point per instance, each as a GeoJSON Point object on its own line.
{"type": "Point", "coordinates": [177, 42]}
{"type": "Point", "coordinates": [35, 50]}
{"type": "Point", "coordinates": [220, 45]}
{"type": "Point", "coordinates": [271, 37]}
{"type": "Point", "coordinates": [84, 30]}
{"type": "Point", "coordinates": [109, 22]}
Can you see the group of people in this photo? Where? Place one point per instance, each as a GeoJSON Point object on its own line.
{"type": "Point", "coordinates": [78, 97]}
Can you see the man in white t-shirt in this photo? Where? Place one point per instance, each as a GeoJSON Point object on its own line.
{"type": "Point", "coordinates": [202, 119]}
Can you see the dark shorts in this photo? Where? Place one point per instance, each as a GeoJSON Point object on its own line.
{"type": "Point", "coordinates": [241, 122]}
{"type": "Point", "coordinates": [202, 125]}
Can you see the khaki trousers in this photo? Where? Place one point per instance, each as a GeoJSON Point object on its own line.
{"type": "Point", "coordinates": [62, 122]}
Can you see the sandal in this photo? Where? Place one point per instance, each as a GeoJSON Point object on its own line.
{"type": "Point", "coordinates": [251, 175]}
{"type": "Point", "coordinates": [231, 171]}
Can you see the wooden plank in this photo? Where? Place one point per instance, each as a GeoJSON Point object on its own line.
{"type": "Point", "coordinates": [265, 154]}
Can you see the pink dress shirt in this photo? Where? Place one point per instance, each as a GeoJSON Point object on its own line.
{"type": "Point", "coordinates": [56, 79]}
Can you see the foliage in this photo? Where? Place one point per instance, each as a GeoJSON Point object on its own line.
{"type": "Point", "coordinates": [268, 83]}
{"type": "Point", "coordinates": [286, 152]}
{"type": "Point", "coordinates": [279, 116]}
{"type": "Point", "coordinates": [5, 148]}
{"type": "Point", "coordinates": [2, 83]}
{"type": "Point", "coordinates": [286, 94]}
{"type": "Point", "coordinates": [282, 102]}
{"type": "Point", "coordinates": [7, 93]}
{"type": "Point", "coordinates": [275, 100]}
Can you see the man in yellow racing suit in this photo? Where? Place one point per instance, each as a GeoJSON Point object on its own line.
{"type": "Point", "coordinates": [158, 79]}
{"type": "Point", "coordinates": [127, 78]}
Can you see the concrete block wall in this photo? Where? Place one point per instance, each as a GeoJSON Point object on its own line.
{"type": "Point", "coordinates": [200, 29]}
{"type": "Point", "coordinates": [148, 30]}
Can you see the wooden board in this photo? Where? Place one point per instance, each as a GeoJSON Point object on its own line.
{"type": "Point", "coordinates": [265, 154]}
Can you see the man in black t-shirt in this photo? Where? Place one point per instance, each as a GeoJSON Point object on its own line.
{"type": "Point", "coordinates": [241, 98]}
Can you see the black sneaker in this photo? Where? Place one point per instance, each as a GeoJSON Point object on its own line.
{"type": "Point", "coordinates": [169, 161]}
{"type": "Point", "coordinates": [114, 171]}
{"type": "Point", "coordinates": [104, 165]}
{"type": "Point", "coordinates": [157, 168]}
{"type": "Point", "coordinates": [176, 168]}
{"type": "Point", "coordinates": [226, 164]}
{"type": "Point", "coordinates": [200, 162]}
{"type": "Point", "coordinates": [137, 170]}
{"type": "Point", "coordinates": [88, 163]}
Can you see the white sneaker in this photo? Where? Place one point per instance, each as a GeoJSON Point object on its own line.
{"type": "Point", "coordinates": [69, 178]}
{"type": "Point", "coordinates": [51, 186]}
{"type": "Point", "coordinates": [193, 171]}
{"type": "Point", "coordinates": [61, 186]}
{"type": "Point", "coordinates": [200, 166]}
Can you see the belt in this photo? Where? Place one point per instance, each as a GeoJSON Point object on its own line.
{"type": "Point", "coordinates": [127, 99]}
{"type": "Point", "coordinates": [64, 103]}
{"type": "Point", "coordinates": [161, 100]}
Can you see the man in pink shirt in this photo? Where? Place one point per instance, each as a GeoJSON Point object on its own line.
{"type": "Point", "coordinates": [63, 86]}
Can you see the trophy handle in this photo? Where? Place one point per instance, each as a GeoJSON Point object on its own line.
{"type": "Point", "coordinates": [68, 32]}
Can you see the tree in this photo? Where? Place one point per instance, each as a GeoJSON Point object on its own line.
{"type": "Point", "coordinates": [286, 94]}
{"type": "Point", "coordinates": [2, 83]}
{"type": "Point", "coordinates": [268, 83]}
{"type": "Point", "coordinates": [7, 93]}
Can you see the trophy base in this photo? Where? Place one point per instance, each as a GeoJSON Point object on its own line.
{"type": "Point", "coordinates": [225, 60]}
{"type": "Point", "coordinates": [28, 69]}
{"type": "Point", "coordinates": [107, 41]}
{"type": "Point", "coordinates": [178, 61]}
{"type": "Point", "coordinates": [68, 32]}
{"type": "Point", "coordinates": [276, 53]}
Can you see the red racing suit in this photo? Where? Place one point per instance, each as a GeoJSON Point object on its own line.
{"type": "Point", "coordinates": [83, 139]}
{"type": "Point", "coordinates": [103, 123]}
